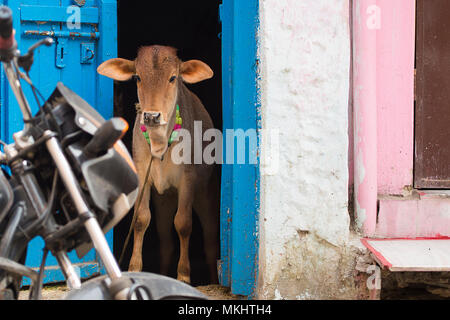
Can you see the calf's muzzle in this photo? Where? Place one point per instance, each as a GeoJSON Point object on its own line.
{"type": "Point", "coordinates": [151, 119]}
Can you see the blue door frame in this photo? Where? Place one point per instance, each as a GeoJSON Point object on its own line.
{"type": "Point", "coordinates": [75, 70]}
{"type": "Point", "coordinates": [240, 182]}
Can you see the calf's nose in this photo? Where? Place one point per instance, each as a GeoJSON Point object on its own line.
{"type": "Point", "coordinates": [152, 119]}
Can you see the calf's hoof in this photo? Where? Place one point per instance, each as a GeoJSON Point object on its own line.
{"type": "Point", "coordinates": [135, 267]}
{"type": "Point", "coordinates": [185, 279]}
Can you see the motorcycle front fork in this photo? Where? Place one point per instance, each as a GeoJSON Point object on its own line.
{"type": "Point", "coordinates": [91, 224]}
{"type": "Point", "coordinates": [70, 182]}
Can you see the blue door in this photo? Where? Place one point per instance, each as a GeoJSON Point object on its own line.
{"type": "Point", "coordinates": [240, 182]}
{"type": "Point", "coordinates": [85, 34]}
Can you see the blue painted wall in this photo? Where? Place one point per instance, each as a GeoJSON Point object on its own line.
{"type": "Point", "coordinates": [240, 182]}
{"type": "Point", "coordinates": [65, 61]}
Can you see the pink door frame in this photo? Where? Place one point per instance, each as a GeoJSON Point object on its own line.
{"type": "Point", "coordinates": [386, 204]}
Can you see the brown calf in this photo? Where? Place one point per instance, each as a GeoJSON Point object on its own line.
{"type": "Point", "coordinates": [175, 189]}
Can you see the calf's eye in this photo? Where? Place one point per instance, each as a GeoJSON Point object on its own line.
{"type": "Point", "coordinates": [172, 79]}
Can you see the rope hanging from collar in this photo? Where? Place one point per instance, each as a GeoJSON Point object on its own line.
{"type": "Point", "coordinates": [173, 136]}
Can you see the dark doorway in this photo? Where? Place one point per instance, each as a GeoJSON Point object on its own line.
{"type": "Point", "coordinates": [193, 27]}
{"type": "Point", "coordinates": [432, 114]}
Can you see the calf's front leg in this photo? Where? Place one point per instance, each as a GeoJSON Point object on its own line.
{"type": "Point", "coordinates": [143, 217]}
{"type": "Point", "coordinates": [183, 226]}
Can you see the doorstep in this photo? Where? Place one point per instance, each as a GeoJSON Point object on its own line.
{"type": "Point", "coordinates": [420, 254]}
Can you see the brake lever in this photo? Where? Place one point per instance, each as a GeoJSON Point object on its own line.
{"type": "Point", "coordinates": [26, 61]}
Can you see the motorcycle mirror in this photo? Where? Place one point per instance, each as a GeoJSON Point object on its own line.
{"type": "Point", "coordinates": [106, 136]}
{"type": "Point", "coordinates": [26, 61]}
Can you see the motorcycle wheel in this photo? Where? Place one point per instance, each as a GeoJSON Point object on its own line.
{"type": "Point", "coordinates": [160, 288]}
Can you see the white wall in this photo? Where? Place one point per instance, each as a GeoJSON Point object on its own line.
{"type": "Point", "coordinates": [305, 240]}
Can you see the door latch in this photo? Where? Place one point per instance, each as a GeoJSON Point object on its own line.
{"type": "Point", "coordinates": [60, 52]}
{"type": "Point", "coordinates": [87, 53]}
{"type": "Point", "coordinates": [62, 38]}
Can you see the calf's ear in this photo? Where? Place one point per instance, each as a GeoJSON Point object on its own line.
{"type": "Point", "coordinates": [117, 69]}
{"type": "Point", "coordinates": [194, 71]}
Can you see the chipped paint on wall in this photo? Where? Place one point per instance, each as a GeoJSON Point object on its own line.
{"type": "Point", "coordinates": [306, 248]}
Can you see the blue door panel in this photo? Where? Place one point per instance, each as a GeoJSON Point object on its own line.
{"type": "Point", "coordinates": [240, 182]}
{"type": "Point", "coordinates": [226, 18]}
{"type": "Point", "coordinates": [73, 59]}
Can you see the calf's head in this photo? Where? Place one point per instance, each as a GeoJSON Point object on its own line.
{"type": "Point", "coordinates": [158, 73]}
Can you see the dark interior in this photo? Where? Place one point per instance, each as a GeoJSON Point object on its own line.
{"type": "Point", "coordinates": [193, 27]}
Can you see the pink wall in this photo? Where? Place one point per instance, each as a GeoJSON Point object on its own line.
{"type": "Point", "coordinates": [425, 216]}
{"type": "Point", "coordinates": [383, 103]}
{"type": "Point", "coordinates": [383, 133]}
{"type": "Point", "coordinates": [365, 116]}
{"type": "Point", "coordinates": [395, 95]}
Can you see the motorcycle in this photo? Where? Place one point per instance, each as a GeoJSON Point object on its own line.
{"type": "Point", "coordinates": [56, 183]}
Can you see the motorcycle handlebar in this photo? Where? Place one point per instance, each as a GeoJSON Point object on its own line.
{"type": "Point", "coordinates": [6, 28]}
